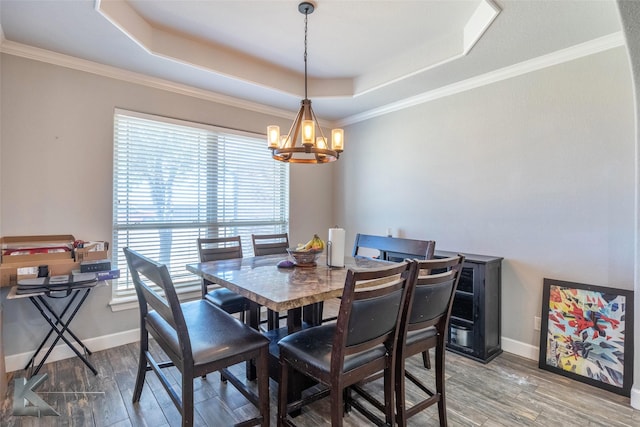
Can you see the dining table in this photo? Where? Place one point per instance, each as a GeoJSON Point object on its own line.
{"type": "Point", "coordinates": [300, 291]}
{"type": "Point", "coordinates": [260, 280]}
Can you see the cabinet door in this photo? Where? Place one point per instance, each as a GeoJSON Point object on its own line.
{"type": "Point", "coordinates": [464, 313]}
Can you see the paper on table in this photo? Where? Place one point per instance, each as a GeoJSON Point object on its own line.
{"type": "Point", "coordinates": [36, 281]}
{"type": "Point", "coordinates": [335, 251]}
{"type": "Point", "coordinates": [84, 277]}
{"type": "Point", "coordinates": [59, 280]}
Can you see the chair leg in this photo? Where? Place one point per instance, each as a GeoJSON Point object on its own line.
{"type": "Point", "coordinates": [346, 396]}
{"type": "Point", "coordinates": [282, 392]}
{"type": "Point", "coordinates": [337, 407]}
{"type": "Point", "coordinates": [263, 386]}
{"type": "Point", "coordinates": [426, 360]}
{"type": "Point", "coordinates": [442, 404]}
{"type": "Point", "coordinates": [389, 403]}
{"type": "Point", "coordinates": [142, 366]}
{"type": "Point", "coordinates": [401, 409]}
{"type": "Point", "coordinates": [187, 400]}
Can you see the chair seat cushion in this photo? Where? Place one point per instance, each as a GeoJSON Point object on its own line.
{"type": "Point", "coordinates": [312, 346]}
{"type": "Point", "coordinates": [214, 334]}
{"type": "Point", "coordinates": [414, 337]}
{"type": "Point", "coordinates": [227, 300]}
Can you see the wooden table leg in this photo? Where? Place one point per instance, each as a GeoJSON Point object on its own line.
{"type": "Point", "coordinates": [312, 314]}
{"type": "Point", "coordinates": [294, 320]}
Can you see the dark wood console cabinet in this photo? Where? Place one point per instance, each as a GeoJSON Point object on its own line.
{"type": "Point", "coordinates": [474, 328]}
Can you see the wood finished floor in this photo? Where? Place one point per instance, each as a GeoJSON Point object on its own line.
{"type": "Point", "coordinates": [509, 391]}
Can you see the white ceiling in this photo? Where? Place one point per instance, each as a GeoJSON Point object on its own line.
{"type": "Point", "coordinates": [363, 56]}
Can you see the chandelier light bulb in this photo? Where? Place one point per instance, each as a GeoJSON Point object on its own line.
{"type": "Point", "coordinates": [337, 140]}
{"type": "Point", "coordinates": [308, 132]}
{"type": "Point", "coordinates": [273, 136]}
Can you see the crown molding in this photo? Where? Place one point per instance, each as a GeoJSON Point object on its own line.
{"type": "Point", "coordinates": [581, 50]}
{"type": "Point", "coordinates": [42, 55]}
{"type": "Point", "coordinates": [574, 52]}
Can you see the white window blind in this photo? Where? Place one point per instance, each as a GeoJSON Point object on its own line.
{"type": "Point", "coordinates": [175, 181]}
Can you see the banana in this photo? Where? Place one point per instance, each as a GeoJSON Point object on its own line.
{"type": "Point", "coordinates": [307, 246]}
{"type": "Point", "coordinates": [315, 243]}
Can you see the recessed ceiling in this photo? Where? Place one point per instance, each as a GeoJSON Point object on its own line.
{"type": "Point", "coordinates": [362, 55]}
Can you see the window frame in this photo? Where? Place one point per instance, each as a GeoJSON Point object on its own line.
{"type": "Point", "coordinates": [222, 194]}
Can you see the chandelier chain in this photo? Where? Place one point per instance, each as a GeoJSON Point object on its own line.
{"type": "Point", "coordinates": [306, 15]}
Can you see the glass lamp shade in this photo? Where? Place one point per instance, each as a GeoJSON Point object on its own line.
{"type": "Point", "coordinates": [337, 139]}
{"type": "Point", "coordinates": [273, 136]}
{"type": "Point", "coordinates": [308, 132]}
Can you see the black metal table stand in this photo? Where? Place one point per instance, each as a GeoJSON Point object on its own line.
{"type": "Point", "coordinates": [59, 325]}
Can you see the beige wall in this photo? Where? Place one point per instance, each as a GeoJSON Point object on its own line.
{"type": "Point", "coordinates": [538, 169]}
{"type": "Point", "coordinates": [56, 172]}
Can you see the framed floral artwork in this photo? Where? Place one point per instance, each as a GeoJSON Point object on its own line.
{"type": "Point", "coordinates": [587, 334]}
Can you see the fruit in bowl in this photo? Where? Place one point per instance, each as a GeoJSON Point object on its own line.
{"type": "Point", "coordinates": [304, 258]}
{"type": "Point", "coordinates": [307, 254]}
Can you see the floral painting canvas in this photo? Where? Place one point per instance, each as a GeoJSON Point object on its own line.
{"type": "Point", "coordinates": [587, 334]}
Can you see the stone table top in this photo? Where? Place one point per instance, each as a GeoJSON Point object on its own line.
{"type": "Point", "coordinates": [279, 289]}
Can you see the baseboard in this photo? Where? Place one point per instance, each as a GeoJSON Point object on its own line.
{"type": "Point", "coordinates": [635, 397]}
{"type": "Point", "coordinates": [520, 349]}
{"type": "Point", "coordinates": [17, 362]}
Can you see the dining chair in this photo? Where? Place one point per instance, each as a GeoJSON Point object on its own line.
{"type": "Point", "coordinates": [197, 337]}
{"type": "Point", "coordinates": [271, 244]}
{"type": "Point", "coordinates": [216, 249]}
{"type": "Point", "coordinates": [424, 325]}
{"type": "Point", "coordinates": [360, 343]}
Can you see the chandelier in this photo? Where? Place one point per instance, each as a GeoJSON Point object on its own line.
{"type": "Point", "coordinates": [301, 145]}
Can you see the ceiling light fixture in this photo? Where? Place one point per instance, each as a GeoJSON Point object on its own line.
{"type": "Point", "coordinates": [303, 129]}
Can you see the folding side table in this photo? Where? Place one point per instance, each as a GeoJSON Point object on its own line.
{"type": "Point", "coordinates": [59, 320]}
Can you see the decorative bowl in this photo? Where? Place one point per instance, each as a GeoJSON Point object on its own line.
{"type": "Point", "coordinates": [304, 258]}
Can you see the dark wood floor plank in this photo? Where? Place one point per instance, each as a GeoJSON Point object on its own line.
{"type": "Point", "coordinates": [509, 391]}
{"type": "Point", "coordinates": [109, 408]}
{"type": "Point", "coordinates": [145, 413]}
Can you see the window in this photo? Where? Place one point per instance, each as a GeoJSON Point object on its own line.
{"type": "Point", "coordinates": [175, 181]}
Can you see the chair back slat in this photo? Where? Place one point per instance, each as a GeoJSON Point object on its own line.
{"type": "Point", "coordinates": [394, 248]}
{"type": "Point", "coordinates": [270, 244]}
{"type": "Point", "coordinates": [219, 248]}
